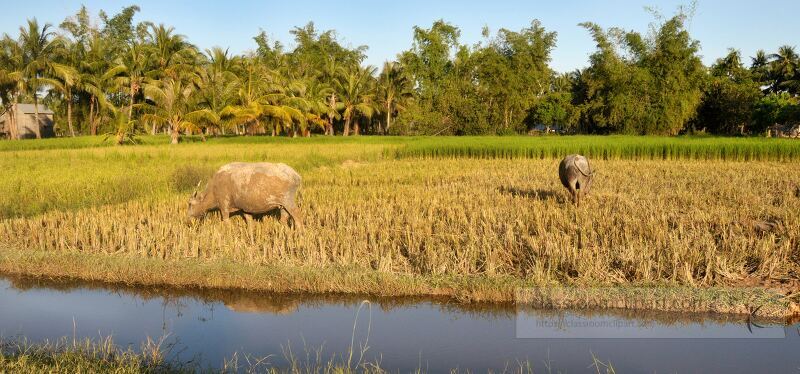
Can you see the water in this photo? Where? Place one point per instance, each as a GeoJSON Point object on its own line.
{"type": "Point", "coordinates": [405, 334]}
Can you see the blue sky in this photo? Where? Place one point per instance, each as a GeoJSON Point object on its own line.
{"type": "Point", "coordinates": [386, 27]}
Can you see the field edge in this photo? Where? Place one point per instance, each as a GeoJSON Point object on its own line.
{"type": "Point", "coordinates": [191, 273]}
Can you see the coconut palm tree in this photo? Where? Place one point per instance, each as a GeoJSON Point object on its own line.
{"type": "Point", "coordinates": [759, 67]}
{"type": "Point", "coordinates": [250, 87]}
{"type": "Point", "coordinates": [394, 91]}
{"type": "Point", "coordinates": [173, 103]}
{"type": "Point", "coordinates": [261, 97]}
{"type": "Point", "coordinates": [97, 77]}
{"type": "Point", "coordinates": [65, 79]}
{"type": "Point", "coordinates": [39, 47]}
{"type": "Point", "coordinates": [132, 66]}
{"type": "Point", "coordinates": [331, 74]}
{"type": "Point", "coordinates": [217, 86]}
{"type": "Point", "coordinates": [356, 96]}
{"type": "Point", "coordinates": [12, 82]}
{"type": "Point", "coordinates": [171, 54]}
{"type": "Point", "coordinates": [784, 66]}
{"type": "Point", "coordinates": [124, 128]}
{"type": "Point", "coordinates": [316, 94]}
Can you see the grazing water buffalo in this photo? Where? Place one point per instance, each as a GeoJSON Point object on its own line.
{"type": "Point", "coordinates": [576, 176]}
{"type": "Point", "coordinates": [253, 188]}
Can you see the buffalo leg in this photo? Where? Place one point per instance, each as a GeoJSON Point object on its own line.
{"type": "Point", "coordinates": [573, 193]}
{"type": "Point", "coordinates": [249, 221]}
{"type": "Point", "coordinates": [225, 211]}
{"type": "Point", "coordinates": [284, 216]}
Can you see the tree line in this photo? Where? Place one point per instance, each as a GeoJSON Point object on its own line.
{"type": "Point", "coordinates": [112, 76]}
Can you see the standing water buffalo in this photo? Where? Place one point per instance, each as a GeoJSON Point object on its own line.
{"type": "Point", "coordinates": [576, 176]}
{"type": "Point", "coordinates": [253, 188]}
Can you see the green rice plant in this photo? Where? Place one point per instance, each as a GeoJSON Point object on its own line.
{"type": "Point", "coordinates": [603, 147]}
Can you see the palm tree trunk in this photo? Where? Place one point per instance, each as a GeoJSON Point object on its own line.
{"type": "Point", "coordinates": [14, 130]}
{"type": "Point", "coordinates": [356, 129]}
{"type": "Point", "coordinates": [69, 113]}
{"type": "Point", "coordinates": [346, 127]}
{"type": "Point", "coordinates": [174, 134]}
{"type": "Point", "coordinates": [130, 104]}
{"type": "Point", "coordinates": [92, 128]}
{"type": "Point", "coordinates": [38, 127]}
{"type": "Point", "coordinates": [388, 117]}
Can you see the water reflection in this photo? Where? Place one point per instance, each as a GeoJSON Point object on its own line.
{"type": "Point", "coordinates": [406, 333]}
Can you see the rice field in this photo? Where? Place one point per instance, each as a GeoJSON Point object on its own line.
{"type": "Point", "coordinates": [383, 218]}
{"type": "Point", "coordinates": [606, 148]}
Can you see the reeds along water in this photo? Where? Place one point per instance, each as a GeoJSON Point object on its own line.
{"type": "Point", "coordinates": [690, 223]}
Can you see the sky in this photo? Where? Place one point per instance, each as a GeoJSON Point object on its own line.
{"type": "Point", "coordinates": [387, 27]}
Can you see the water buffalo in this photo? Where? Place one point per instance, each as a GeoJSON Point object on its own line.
{"type": "Point", "coordinates": [252, 188]}
{"type": "Point", "coordinates": [576, 175]}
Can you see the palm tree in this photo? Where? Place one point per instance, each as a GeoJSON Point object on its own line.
{"type": "Point", "coordinates": [261, 96]}
{"type": "Point", "coordinates": [39, 47]}
{"type": "Point", "coordinates": [124, 128]}
{"type": "Point", "coordinates": [217, 85]}
{"type": "Point", "coordinates": [316, 94]}
{"type": "Point", "coordinates": [170, 52]}
{"type": "Point", "coordinates": [332, 72]}
{"type": "Point", "coordinates": [12, 82]}
{"type": "Point", "coordinates": [394, 89]}
{"type": "Point", "coordinates": [356, 96]}
{"type": "Point", "coordinates": [132, 66]}
{"type": "Point", "coordinates": [97, 77]}
{"type": "Point", "coordinates": [759, 67]}
{"type": "Point", "coordinates": [173, 100]}
{"type": "Point", "coordinates": [783, 66]}
{"type": "Point", "coordinates": [66, 78]}
{"type": "Point", "coordinates": [250, 86]}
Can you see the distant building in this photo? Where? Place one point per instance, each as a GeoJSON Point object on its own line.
{"type": "Point", "coordinates": [546, 129]}
{"type": "Point", "coordinates": [784, 131]}
{"type": "Point", "coordinates": [25, 115]}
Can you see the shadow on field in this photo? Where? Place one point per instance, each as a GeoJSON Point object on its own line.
{"type": "Point", "coordinates": [538, 194]}
{"type": "Point", "coordinates": [272, 214]}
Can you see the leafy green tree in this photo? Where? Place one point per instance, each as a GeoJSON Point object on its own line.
{"type": "Point", "coordinates": [775, 108]}
{"type": "Point", "coordinates": [729, 97]}
{"type": "Point", "coordinates": [655, 89]}
{"type": "Point", "coordinates": [555, 108]}
{"type": "Point", "coordinates": [513, 71]}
